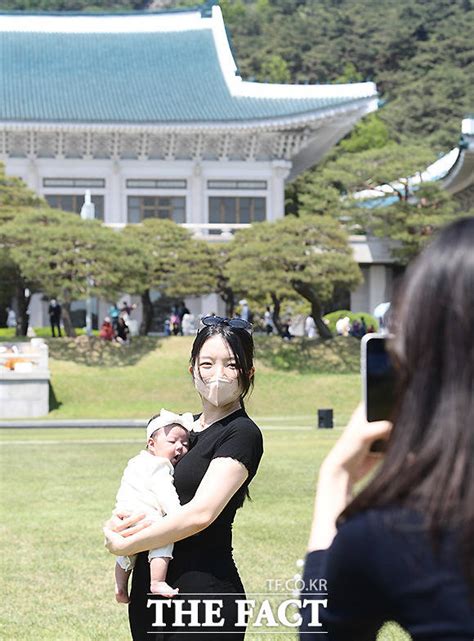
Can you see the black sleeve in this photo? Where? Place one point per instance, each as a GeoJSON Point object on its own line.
{"type": "Point", "coordinates": [314, 588]}
{"type": "Point", "coordinates": [355, 609]}
{"type": "Point", "coordinates": [243, 442]}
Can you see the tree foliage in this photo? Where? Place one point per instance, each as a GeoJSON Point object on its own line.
{"type": "Point", "coordinates": [294, 257]}
{"type": "Point", "coordinates": [14, 196]}
{"type": "Point", "coordinates": [409, 223]}
{"type": "Point", "coordinates": [65, 257]}
{"type": "Point", "coordinates": [419, 54]}
{"type": "Point", "coordinates": [171, 261]}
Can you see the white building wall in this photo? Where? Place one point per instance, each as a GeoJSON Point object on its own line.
{"type": "Point", "coordinates": [376, 288]}
{"type": "Point", "coordinates": [360, 296]}
{"type": "Point", "coordinates": [117, 172]}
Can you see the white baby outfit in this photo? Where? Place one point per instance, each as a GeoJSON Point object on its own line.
{"type": "Point", "coordinates": [147, 486]}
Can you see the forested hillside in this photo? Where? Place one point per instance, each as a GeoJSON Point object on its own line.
{"type": "Point", "coordinates": [419, 53]}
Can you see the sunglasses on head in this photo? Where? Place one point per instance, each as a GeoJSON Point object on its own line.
{"type": "Point", "coordinates": [236, 323]}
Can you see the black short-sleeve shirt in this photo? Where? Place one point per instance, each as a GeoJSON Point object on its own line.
{"type": "Point", "coordinates": [236, 436]}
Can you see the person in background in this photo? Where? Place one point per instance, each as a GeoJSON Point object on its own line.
{"type": "Point", "coordinates": [363, 327]}
{"type": "Point", "coordinates": [382, 314]}
{"type": "Point", "coordinates": [187, 325]}
{"type": "Point", "coordinates": [403, 548]}
{"type": "Point", "coordinates": [107, 331]}
{"type": "Point", "coordinates": [244, 310]}
{"type": "Point", "coordinates": [122, 333]}
{"type": "Point", "coordinates": [114, 314]}
{"type": "Point", "coordinates": [355, 329]}
{"type": "Point", "coordinates": [175, 322]}
{"type": "Point", "coordinates": [287, 335]}
{"type": "Point", "coordinates": [54, 311]}
{"type": "Point", "coordinates": [11, 317]}
{"type": "Point", "coordinates": [343, 326]}
{"type": "Point", "coordinates": [126, 310]}
{"type": "Point", "coordinates": [182, 312]}
{"type": "Point", "coordinates": [268, 321]}
{"type": "Point", "coordinates": [310, 327]}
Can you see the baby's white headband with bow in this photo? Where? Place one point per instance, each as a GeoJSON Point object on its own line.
{"type": "Point", "coordinates": [165, 418]}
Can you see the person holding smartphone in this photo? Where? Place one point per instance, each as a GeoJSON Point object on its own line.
{"type": "Point", "coordinates": [403, 548]}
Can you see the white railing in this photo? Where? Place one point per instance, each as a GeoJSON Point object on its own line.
{"type": "Point", "coordinates": [214, 231]}
{"type": "Point", "coordinates": [209, 231]}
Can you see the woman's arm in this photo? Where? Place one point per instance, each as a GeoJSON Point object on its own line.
{"type": "Point", "coordinates": [348, 462]}
{"type": "Point", "coordinates": [221, 481]}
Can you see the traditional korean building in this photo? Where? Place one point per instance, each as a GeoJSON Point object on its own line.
{"type": "Point", "coordinates": [149, 113]}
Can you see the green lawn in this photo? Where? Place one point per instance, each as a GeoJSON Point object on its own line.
{"type": "Point", "coordinates": [93, 379]}
{"type": "Point", "coordinates": [57, 486]}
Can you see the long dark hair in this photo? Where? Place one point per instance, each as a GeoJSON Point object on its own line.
{"type": "Point", "coordinates": [240, 342]}
{"type": "Point", "coordinates": [429, 465]}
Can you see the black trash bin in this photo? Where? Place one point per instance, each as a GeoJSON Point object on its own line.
{"type": "Point", "coordinates": [325, 419]}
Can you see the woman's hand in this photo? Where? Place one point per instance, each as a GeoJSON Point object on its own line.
{"type": "Point", "coordinates": [116, 543]}
{"type": "Point", "coordinates": [121, 526]}
{"type": "Point", "coordinates": [127, 523]}
{"type": "Point", "coordinates": [348, 462]}
{"type": "Point", "coordinates": [352, 454]}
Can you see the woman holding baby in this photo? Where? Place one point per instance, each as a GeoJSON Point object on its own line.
{"type": "Point", "coordinates": [212, 482]}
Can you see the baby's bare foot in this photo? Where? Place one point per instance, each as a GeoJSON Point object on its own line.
{"type": "Point", "coordinates": [163, 589]}
{"type": "Point", "coordinates": [121, 595]}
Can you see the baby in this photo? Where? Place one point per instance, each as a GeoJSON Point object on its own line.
{"type": "Point", "coordinates": [147, 486]}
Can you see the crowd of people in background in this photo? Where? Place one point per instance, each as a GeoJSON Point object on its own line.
{"type": "Point", "coordinates": [182, 322]}
{"type": "Point", "coordinates": [357, 328]}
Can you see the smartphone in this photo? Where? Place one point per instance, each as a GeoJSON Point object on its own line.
{"type": "Point", "coordinates": [378, 381]}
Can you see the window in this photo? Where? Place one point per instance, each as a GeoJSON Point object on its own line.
{"type": "Point", "coordinates": [236, 210]}
{"type": "Point", "coordinates": [74, 202]}
{"type": "Point", "coordinates": [156, 184]}
{"type": "Point", "coordinates": [84, 183]}
{"type": "Point", "coordinates": [236, 184]}
{"type": "Point", "coordinates": [141, 207]}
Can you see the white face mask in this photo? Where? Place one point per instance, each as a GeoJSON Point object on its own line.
{"type": "Point", "coordinates": [218, 391]}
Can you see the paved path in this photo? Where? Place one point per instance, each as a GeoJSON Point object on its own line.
{"type": "Point", "coordinates": [75, 423]}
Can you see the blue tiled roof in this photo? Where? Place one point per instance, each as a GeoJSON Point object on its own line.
{"type": "Point", "coordinates": [166, 77]}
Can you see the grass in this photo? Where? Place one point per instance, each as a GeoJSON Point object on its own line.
{"type": "Point", "coordinates": [57, 486]}
{"type": "Point", "coordinates": [94, 379]}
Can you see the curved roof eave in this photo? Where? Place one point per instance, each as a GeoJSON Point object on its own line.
{"type": "Point", "coordinates": [239, 87]}
{"type": "Point", "coordinates": [299, 120]}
